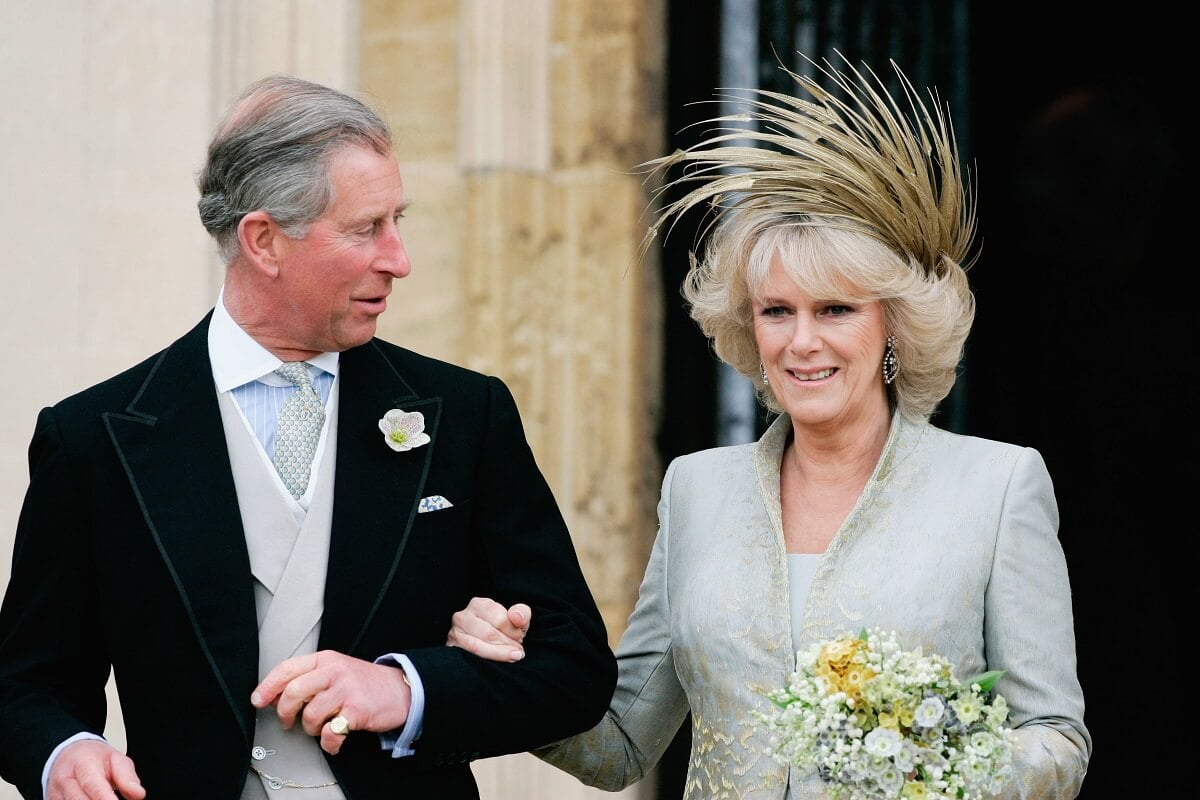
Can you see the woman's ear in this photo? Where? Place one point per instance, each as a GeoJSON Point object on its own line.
{"type": "Point", "coordinates": [257, 234]}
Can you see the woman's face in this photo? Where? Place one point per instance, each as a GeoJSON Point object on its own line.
{"type": "Point", "coordinates": [823, 355]}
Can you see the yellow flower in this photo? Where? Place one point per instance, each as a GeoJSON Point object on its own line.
{"type": "Point", "coordinates": [854, 679]}
{"type": "Point", "coordinates": [839, 653]}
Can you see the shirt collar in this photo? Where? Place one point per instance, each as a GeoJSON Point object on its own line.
{"type": "Point", "coordinates": [237, 359]}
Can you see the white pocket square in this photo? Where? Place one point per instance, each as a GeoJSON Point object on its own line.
{"type": "Point", "coordinates": [435, 502]}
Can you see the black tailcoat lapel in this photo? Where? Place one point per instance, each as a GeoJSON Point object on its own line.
{"type": "Point", "coordinates": [172, 445]}
{"type": "Point", "coordinates": [376, 493]}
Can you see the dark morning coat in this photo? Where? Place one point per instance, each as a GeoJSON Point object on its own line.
{"type": "Point", "coordinates": [130, 552]}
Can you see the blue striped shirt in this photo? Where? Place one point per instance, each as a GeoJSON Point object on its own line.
{"type": "Point", "coordinates": [246, 369]}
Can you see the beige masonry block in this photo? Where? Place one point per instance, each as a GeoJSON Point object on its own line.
{"type": "Point", "coordinates": [606, 91]}
{"type": "Point", "coordinates": [409, 69]}
{"type": "Point", "coordinates": [504, 122]}
{"type": "Point", "coordinates": [612, 321]}
{"type": "Point", "coordinates": [314, 39]}
{"type": "Point", "coordinates": [426, 311]}
{"type": "Point", "coordinates": [566, 313]}
{"type": "Point", "coordinates": [431, 18]}
{"type": "Point", "coordinates": [590, 18]}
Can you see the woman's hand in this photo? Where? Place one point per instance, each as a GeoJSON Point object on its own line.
{"type": "Point", "coordinates": [490, 630]}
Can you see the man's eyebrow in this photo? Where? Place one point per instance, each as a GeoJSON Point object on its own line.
{"type": "Point", "coordinates": [366, 217]}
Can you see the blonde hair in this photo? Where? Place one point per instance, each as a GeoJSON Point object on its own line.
{"type": "Point", "coordinates": [930, 314]}
{"type": "Point", "coordinates": [861, 201]}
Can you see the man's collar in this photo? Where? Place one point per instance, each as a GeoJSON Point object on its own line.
{"type": "Point", "coordinates": [237, 359]}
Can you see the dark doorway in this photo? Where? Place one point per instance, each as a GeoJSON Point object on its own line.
{"type": "Point", "coordinates": [1079, 348]}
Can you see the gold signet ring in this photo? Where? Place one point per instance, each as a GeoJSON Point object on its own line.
{"type": "Point", "coordinates": [339, 725]}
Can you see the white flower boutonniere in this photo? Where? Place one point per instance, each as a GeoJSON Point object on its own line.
{"type": "Point", "coordinates": [403, 430]}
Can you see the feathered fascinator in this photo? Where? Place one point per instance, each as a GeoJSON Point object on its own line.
{"type": "Point", "coordinates": [882, 166]}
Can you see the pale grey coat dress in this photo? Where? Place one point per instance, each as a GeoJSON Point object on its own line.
{"type": "Point", "coordinates": [953, 544]}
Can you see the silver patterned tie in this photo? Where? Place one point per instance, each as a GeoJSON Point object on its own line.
{"type": "Point", "coordinates": [299, 428]}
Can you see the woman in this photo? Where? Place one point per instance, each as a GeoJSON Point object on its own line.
{"type": "Point", "coordinates": [835, 279]}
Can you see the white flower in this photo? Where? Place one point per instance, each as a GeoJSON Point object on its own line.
{"type": "Point", "coordinates": [873, 721]}
{"type": "Point", "coordinates": [882, 742]}
{"type": "Point", "coordinates": [403, 430]}
{"type": "Point", "coordinates": [929, 713]}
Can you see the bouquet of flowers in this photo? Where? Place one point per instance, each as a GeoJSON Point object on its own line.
{"type": "Point", "coordinates": [876, 721]}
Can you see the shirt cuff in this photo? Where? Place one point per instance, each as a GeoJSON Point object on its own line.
{"type": "Point", "coordinates": [79, 737]}
{"type": "Point", "coordinates": [400, 742]}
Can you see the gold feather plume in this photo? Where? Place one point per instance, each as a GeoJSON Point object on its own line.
{"type": "Point", "coordinates": [859, 161]}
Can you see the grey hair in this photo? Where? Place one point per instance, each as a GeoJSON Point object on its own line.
{"type": "Point", "coordinates": [929, 311]}
{"type": "Point", "coordinates": [272, 153]}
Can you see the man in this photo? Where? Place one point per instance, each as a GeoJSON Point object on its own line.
{"type": "Point", "coordinates": [267, 561]}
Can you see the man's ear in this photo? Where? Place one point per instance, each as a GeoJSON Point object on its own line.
{"type": "Point", "coordinates": [257, 234]}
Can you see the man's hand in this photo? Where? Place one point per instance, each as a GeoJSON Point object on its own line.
{"type": "Point", "coordinates": [92, 770]}
{"type": "Point", "coordinates": [490, 630]}
{"type": "Point", "coordinates": [313, 689]}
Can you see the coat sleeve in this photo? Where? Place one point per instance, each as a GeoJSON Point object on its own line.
{"type": "Point", "coordinates": [1029, 632]}
{"type": "Point", "coordinates": [475, 708]}
{"type": "Point", "coordinates": [53, 661]}
{"type": "Point", "coordinates": [649, 704]}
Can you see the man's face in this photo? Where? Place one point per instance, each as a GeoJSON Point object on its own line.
{"type": "Point", "coordinates": [335, 281]}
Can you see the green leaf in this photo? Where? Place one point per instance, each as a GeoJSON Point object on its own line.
{"type": "Point", "coordinates": [862, 634]}
{"type": "Point", "coordinates": [986, 680]}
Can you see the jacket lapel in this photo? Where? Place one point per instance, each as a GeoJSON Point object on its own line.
{"type": "Point", "coordinates": [172, 444]}
{"type": "Point", "coordinates": [375, 495]}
